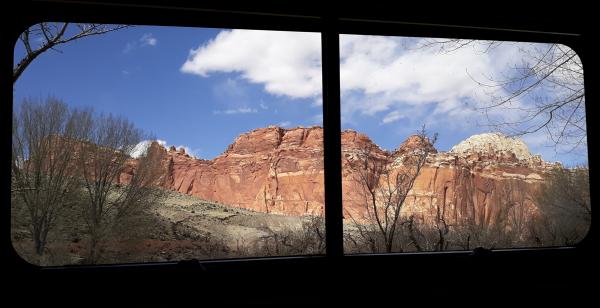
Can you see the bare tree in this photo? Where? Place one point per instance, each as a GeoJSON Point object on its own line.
{"type": "Point", "coordinates": [42, 140]}
{"type": "Point", "coordinates": [442, 227]}
{"type": "Point", "coordinates": [101, 159]}
{"type": "Point", "coordinates": [385, 185]}
{"type": "Point", "coordinates": [518, 199]}
{"type": "Point", "coordinates": [549, 77]}
{"type": "Point", "coordinates": [506, 227]}
{"type": "Point", "coordinates": [434, 235]}
{"type": "Point", "coordinates": [308, 239]}
{"type": "Point", "coordinates": [564, 202]}
{"type": "Point", "coordinates": [48, 35]}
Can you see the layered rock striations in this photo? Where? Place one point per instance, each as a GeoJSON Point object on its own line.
{"type": "Point", "coordinates": [273, 170]}
{"type": "Point", "coordinates": [277, 170]}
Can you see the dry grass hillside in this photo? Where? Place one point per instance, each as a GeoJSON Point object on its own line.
{"type": "Point", "coordinates": [181, 227]}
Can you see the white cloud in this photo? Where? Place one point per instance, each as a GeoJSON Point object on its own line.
{"type": "Point", "coordinates": [381, 72]}
{"type": "Point", "coordinates": [382, 77]}
{"type": "Point", "coordinates": [286, 63]}
{"type": "Point", "coordinates": [284, 124]}
{"type": "Point", "coordinates": [146, 40]}
{"type": "Point", "coordinates": [392, 117]}
{"type": "Point", "coordinates": [317, 102]}
{"type": "Point", "coordinates": [236, 111]}
{"type": "Point", "coordinates": [389, 76]}
{"type": "Point", "coordinates": [263, 106]}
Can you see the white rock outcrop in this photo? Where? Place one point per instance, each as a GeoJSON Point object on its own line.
{"type": "Point", "coordinates": [492, 143]}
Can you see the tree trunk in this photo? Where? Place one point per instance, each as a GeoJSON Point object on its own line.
{"type": "Point", "coordinates": [389, 244]}
{"type": "Point", "coordinates": [38, 244]}
{"type": "Point", "coordinates": [93, 253]}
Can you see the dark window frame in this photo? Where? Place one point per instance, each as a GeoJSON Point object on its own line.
{"type": "Point", "coordinates": [295, 18]}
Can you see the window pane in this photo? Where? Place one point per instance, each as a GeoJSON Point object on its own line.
{"type": "Point", "coordinates": [162, 144]}
{"type": "Point", "coordinates": [457, 144]}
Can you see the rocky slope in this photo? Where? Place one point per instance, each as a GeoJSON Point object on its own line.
{"type": "Point", "coordinates": [483, 179]}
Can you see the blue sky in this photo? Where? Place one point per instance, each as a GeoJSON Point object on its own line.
{"type": "Point", "coordinates": [201, 88]}
{"type": "Point", "coordinates": [118, 73]}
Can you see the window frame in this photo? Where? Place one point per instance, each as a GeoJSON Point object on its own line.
{"type": "Point", "coordinates": [330, 24]}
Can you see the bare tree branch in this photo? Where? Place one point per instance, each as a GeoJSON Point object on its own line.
{"type": "Point", "coordinates": [385, 187]}
{"type": "Point", "coordinates": [52, 35]}
{"type": "Point", "coordinates": [547, 89]}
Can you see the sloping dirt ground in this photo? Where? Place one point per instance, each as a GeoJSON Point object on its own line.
{"type": "Point", "coordinates": [182, 227]}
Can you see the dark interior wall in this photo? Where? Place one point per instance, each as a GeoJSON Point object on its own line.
{"type": "Point", "coordinates": [450, 274]}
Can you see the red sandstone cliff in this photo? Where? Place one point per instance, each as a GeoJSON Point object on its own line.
{"type": "Point", "coordinates": [280, 170]}
{"type": "Point", "coordinates": [271, 170]}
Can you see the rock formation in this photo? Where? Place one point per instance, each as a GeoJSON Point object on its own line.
{"type": "Point", "coordinates": [276, 170]}
{"type": "Point", "coordinates": [273, 170]}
